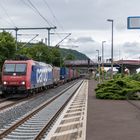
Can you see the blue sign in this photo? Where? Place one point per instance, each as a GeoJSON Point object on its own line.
{"type": "Point", "coordinates": [133, 22]}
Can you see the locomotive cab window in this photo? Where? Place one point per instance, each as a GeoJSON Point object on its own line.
{"type": "Point", "coordinates": [10, 69]}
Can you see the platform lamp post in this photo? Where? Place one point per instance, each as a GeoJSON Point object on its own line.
{"type": "Point", "coordinates": [111, 20]}
{"type": "Point", "coordinates": [103, 60]}
{"type": "Point", "coordinates": [98, 65]}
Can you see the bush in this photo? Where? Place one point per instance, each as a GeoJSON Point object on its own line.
{"type": "Point", "coordinates": [118, 89]}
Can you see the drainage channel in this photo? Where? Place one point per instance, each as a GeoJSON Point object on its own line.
{"type": "Point", "coordinates": [29, 127]}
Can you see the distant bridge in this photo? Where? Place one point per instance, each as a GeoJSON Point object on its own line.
{"type": "Point", "coordinates": [132, 65]}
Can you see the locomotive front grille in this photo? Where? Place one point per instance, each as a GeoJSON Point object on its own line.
{"type": "Point", "coordinates": [13, 88]}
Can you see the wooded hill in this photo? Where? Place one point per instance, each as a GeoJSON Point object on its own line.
{"type": "Point", "coordinates": [38, 51]}
{"type": "Point", "coordinates": [76, 55]}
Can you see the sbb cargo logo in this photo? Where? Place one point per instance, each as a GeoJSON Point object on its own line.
{"type": "Point", "coordinates": [42, 75]}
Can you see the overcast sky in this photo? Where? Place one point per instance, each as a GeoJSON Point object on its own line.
{"type": "Point", "coordinates": [85, 19]}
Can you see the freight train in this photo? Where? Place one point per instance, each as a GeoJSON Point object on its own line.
{"type": "Point", "coordinates": [24, 77]}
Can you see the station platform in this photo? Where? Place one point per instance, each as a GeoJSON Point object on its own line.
{"type": "Point", "coordinates": [111, 119]}
{"type": "Point", "coordinates": [88, 118]}
{"type": "Point", "coordinates": [71, 124]}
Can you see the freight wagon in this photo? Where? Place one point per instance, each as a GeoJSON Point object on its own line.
{"type": "Point", "coordinates": [71, 76]}
{"type": "Point", "coordinates": [64, 74]}
{"type": "Point", "coordinates": [56, 75]}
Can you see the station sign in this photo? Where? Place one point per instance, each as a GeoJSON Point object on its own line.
{"type": "Point", "coordinates": [133, 22]}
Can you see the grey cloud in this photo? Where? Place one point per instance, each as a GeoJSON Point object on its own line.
{"type": "Point", "coordinates": [130, 50]}
{"type": "Point", "coordinates": [131, 47]}
{"type": "Point", "coordinates": [81, 40]}
{"type": "Point", "coordinates": [74, 14]}
{"type": "Point", "coordinates": [84, 39]}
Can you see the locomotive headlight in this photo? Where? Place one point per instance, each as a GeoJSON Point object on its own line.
{"type": "Point", "coordinates": [23, 82]}
{"type": "Point", "coordinates": [4, 82]}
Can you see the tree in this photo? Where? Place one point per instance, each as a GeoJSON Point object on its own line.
{"type": "Point", "coordinates": [56, 57]}
{"type": "Point", "coordinates": [41, 52]}
{"type": "Point", "coordinates": [7, 47]}
{"type": "Point", "coordinates": [38, 52]}
{"type": "Point", "coordinates": [70, 57]}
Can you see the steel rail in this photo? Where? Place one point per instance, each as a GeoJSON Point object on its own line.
{"type": "Point", "coordinates": [32, 113]}
{"type": "Point", "coordinates": [10, 104]}
{"type": "Point", "coordinates": [16, 102]}
{"type": "Point", "coordinates": [41, 133]}
{"type": "Point", "coordinates": [19, 101]}
{"type": "Point", "coordinates": [3, 100]}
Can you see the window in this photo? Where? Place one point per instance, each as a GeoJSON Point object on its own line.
{"type": "Point", "coordinates": [9, 68]}
{"type": "Point", "coordinates": [19, 69]}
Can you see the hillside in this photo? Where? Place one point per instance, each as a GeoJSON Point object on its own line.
{"type": "Point", "coordinates": [77, 55]}
{"type": "Point", "coordinates": [64, 52]}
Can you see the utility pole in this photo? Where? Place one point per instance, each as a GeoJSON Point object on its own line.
{"type": "Point", "coordinates": [49, 37]}
{"type": "Point", "coordinates": [16, 30]}
{"type": "Point", "coordinates": [49, 34]}
{"type": "Point", "coordinates": [103, 60]}
{"type": "Point", "coordinates": [111, 20]}
{"type": "Point", "coordinates": [30, 28]}
{"type": "Point", "coordinates": [98, 65]}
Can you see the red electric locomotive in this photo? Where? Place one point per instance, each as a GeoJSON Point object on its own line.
{"type": "Point", "coordinates": [25, 76]}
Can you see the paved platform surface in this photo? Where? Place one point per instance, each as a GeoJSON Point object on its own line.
{"type": "Point", "coordinates": [111, 120]}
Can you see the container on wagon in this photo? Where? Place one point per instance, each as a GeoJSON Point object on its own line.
{"type": "Point", "coordinates": [56, 75]}
{"type": "Point", "coordinates": [64, 74]}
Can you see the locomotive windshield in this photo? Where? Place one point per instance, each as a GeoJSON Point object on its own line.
{"type": "Point", "coordinates": [14, 69]}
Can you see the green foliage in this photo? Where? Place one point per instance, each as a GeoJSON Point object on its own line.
{"type": "Point", "coordinates": [40, 52]}
{"type": "Point", "coordinates": [135, 77]}
{"type": "Point", "coordinates": [70, 57]}
{"type": "Point", "coordinates": [118, 89]}
{"type": "Point", "coordinates": [77, 55]}
{"type": "Point", "coordinates": [7, 47]}
{"type": "Point", "coordinates": [56, 58]}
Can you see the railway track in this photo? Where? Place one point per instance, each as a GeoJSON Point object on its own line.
{"type": "Point", "coordinates": [41, 118]}
{"type": "Point", "coordinates": [7, 103]}
{"type": "Point", "coordinates": [3, 100]}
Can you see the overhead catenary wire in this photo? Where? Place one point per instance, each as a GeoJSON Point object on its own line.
{"type": "Point", "coordinates": [6, 13]}
{"type": "Point", "coordinates": [53, 14]}
{"type": "Point", "coordinates": [30, 40]}
{"type": "Point", "coordinates": [56, 20]}
{"type": "Point", "coordinates": [39, 13]}
{"type": "Point", "coordinates": [3, 20]}
{"type": "Point", "coordinates": [30, 4]}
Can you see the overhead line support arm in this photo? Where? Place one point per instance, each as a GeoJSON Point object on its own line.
{"type": "Point", "coordinates": [31, 28]}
